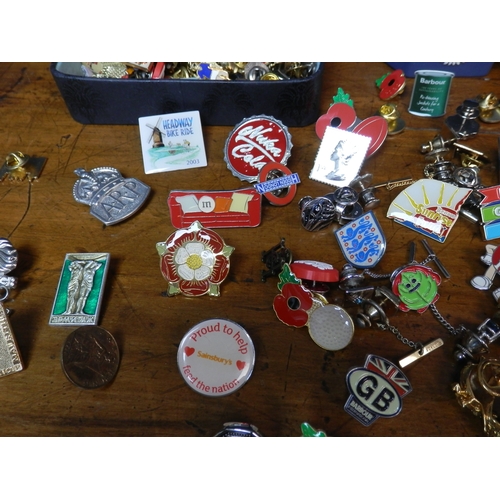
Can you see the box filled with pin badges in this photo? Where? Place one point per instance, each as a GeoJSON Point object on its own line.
{"type": "Point", "coordinates": [223, 93]}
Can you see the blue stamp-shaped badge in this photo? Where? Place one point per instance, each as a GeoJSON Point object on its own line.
{"type": "Point", "coordinates": [362, 241]}
{"type": "Point", "coordinates": [376, 390]}
{"type": "Point", "coordinates": [491, 231]}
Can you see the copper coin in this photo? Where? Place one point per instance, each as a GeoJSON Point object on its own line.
{"type": "Point", "coordinates": [90, 357]}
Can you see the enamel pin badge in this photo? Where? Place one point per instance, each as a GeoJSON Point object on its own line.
{"type": "Point", "coordinates": [362, 241]}
{"type": "Point", "coordinates": [111, 197]}
{"type": "Point", "coordinates": [277, 183]}
{"type": "Point", "coordinates": [429, 206]}
{"type": "Point", "coordinates": [489, 208]}
{"type": "Point", "coordinates": [194, 261]}
{"type": "Point", "coordinates": [238, 208]}
{"type": "Point", "coordinates": [416, 286]}
{"type": "Point", "coordinates": [377, 390]}
{"type": "Point", "coordinates": [329, 325]}
{"type": "Point", "coordinates": [253, 143]}
{"type": "Point", "coordinates": [216, 357]}
{"type": "Point", "coordinates": [80, 290]}
{"type": "Point", "coordinates": [172, 142]}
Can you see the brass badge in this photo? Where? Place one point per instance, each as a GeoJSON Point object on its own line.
{"type": "Point", "coordinates": [10, 358]}
{"type": "Point", "coordinates": [478, 389]}
{"type": "Point", "coordinates": [18, 167]}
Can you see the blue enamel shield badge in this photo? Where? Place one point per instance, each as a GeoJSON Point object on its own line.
{"type": "Point", "coordinates": [362, 241]}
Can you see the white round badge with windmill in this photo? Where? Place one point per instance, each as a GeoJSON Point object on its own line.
{"type": "Point", "coordinates": [216, 357]}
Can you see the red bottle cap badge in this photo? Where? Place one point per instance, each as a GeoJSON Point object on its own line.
{"type": "Point", "coordinates": [312, 270]}
{"type": "Point", "coordinates": [253, 143]}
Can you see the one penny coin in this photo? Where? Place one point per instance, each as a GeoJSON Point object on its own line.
{"type": "Point", "coordinates": [90, 357]}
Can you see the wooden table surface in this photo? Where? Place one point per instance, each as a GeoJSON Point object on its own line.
{"type": "Point", "coordinates": [294, 380]}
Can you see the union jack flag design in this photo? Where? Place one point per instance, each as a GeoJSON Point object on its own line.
{"type": "Point", "coordinates": [390, 372]}
{"type": "Point", "coordinates": [362, 241]}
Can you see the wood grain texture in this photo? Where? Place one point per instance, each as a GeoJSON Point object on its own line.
{"type": "Point", "coordinates": [294, 380]}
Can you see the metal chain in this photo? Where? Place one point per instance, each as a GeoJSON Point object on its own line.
{"type": "Point", "coordinates": [427, 260]}
{"type": "Point", "coordinates": [375, 275]}
{"type": "Point", "coordinates": [386, 326]}
{"type": "Point", "coordinates": [441, 319]}
{"type": "Point", "coordinates": [380, 276]}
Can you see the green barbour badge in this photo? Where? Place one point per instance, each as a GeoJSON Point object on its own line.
{"type": "Point", "coordinates": [80, 290]}
{"type": "Point", "coordinates": [430, 93]}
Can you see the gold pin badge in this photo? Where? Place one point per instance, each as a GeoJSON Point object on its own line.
{"type": "Point", "coordinates": [394, 121]}
{"type": "Point", "coordinates": [18, 167]}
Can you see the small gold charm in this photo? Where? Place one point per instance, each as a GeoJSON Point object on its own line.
{"type": "Point", "coordinates": [18, 167]}
{"type": "Point", "coordinates": [395, 123]}
{"type": "Point", "coordinates": [478, 388]}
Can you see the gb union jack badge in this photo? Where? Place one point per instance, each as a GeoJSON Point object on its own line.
{"type": "Point", "coordinates": [362, 241]}
{"type": "Point", "coordinates": [377, 390]}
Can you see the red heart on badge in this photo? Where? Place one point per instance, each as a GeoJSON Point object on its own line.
{"type": "Point", "coordinates": [189, 350]}
{"type": "Point", "coordinates": [240, 365]}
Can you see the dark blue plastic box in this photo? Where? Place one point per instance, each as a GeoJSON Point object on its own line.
{"type": "Point", "coordinates": [121, 102]}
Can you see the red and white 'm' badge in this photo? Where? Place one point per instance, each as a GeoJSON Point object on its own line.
{"type": "Point", "coordinates": [253, 143]}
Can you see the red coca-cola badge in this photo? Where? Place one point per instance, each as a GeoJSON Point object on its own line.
{"type": "Point", "coordinates": [255, 142]}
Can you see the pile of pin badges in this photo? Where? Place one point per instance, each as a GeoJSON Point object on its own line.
{"type": "Point", "coordinates": [300, 279]}
{"type": "Point", "coordinates": [253, 71]}
{"type": "Point", "coordinates": [446, 188]}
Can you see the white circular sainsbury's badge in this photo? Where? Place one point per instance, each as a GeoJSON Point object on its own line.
{"type": "Point", "coordinates": [216, 357]}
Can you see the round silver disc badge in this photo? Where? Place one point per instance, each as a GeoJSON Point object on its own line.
{"type": "Point", "coordinates": [253, 143]}
{"type": "Point", "coordinates": [331, 327]}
